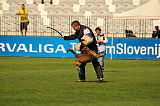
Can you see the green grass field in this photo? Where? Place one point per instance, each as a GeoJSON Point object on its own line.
{"type": "Point", "coordinates": [52, 82]}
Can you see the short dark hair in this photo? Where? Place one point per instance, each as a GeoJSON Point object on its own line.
{"type": "Point", "coordinates": [98, 28]}
{"type": "Point", "coordinates": [75, 23]}
{"type": "Point", "coordinates": [23, 5]}
{"type": "Point", "coordinates": [156, 26]}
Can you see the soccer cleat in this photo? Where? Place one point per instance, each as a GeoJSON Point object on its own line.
{"type": "Point", "coordinates": [81, 80]}
{"type": "Point", "coordinates": [100, 79]}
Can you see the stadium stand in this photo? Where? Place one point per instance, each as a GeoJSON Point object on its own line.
{"type": "Point", "coordinates": [42, 15]}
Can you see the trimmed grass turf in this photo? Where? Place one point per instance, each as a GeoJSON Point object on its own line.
{"type": "Point", "coordinates": [52, 82]}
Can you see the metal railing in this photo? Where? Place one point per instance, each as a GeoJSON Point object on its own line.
{"type": "Point", "coordinates": [10, 25]}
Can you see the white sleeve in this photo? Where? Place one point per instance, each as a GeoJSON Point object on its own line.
{"type": "Point", "coordinates": [105, 41]}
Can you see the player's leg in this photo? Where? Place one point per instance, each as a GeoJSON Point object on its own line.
{"type": "Point", "coordinates": [21, 28]}
{"type": "Point", "coordinates": [101, 62]}
{"type": "Point", "coordinates": [98, 69]}
{"type": "Point", "coordinates": [102, 65]}
{"type": "Point", "coordinates": [82, 76]}
{"type": "Point", "coordinates": [101, 59]}
{"type": "Point", "coordinates": [25, 27]}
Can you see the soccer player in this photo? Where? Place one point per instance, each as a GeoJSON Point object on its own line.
{"type": "Point", "coordinates": [101, 41]}
{"type": "Point", "coordinates": [23, 18]}
{"type": "Point", "coordinates": [85, 35]}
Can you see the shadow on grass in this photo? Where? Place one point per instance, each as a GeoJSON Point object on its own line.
{"type": "Point", "coordinates": [110, 71]}
{"type": "Point", "coordinates": [94, 81]}
{"type": "Point", "coordinates": [98, 81]}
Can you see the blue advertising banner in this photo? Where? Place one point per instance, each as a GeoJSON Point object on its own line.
{"type": "Point", "coordinates": [133, 48]}
{"type": "Point", "coordinates": [117, 48]}
{"type": "Point", "coordinates": [35, 46]}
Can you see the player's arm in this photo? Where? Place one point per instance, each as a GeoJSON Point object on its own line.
{"type": "Point", "coordinates": [105, 41]}
{"type": "Point", "coordinates": [87, 37]}
{"type": "Point", "coordinates": [26, 12]}
{"type": "Point", "coordinates": [72, 37]}
{"type": "Point", "coordinates": [18, 12]}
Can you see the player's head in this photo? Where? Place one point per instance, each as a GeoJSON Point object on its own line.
{"type": "Point", "coordinates": [157, 28]}
{"type": "Point", "coordinates": [98, 30]}
{"type": "Point", "coordinates": [76, 25]}
{"type": "Point", "coordinates": [23, 6]}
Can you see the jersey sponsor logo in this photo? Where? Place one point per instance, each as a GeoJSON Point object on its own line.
{"type": "Point", "coordinates": [87, 32]}
{"type": "Point", "coordinates": [24, 18]}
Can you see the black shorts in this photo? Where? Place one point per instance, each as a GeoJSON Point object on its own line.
{"type": "Point", "coordinates": [23, 26]}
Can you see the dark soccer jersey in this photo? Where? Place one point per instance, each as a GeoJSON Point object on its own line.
{"type": "Point", "coordinates": [84, 30]}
